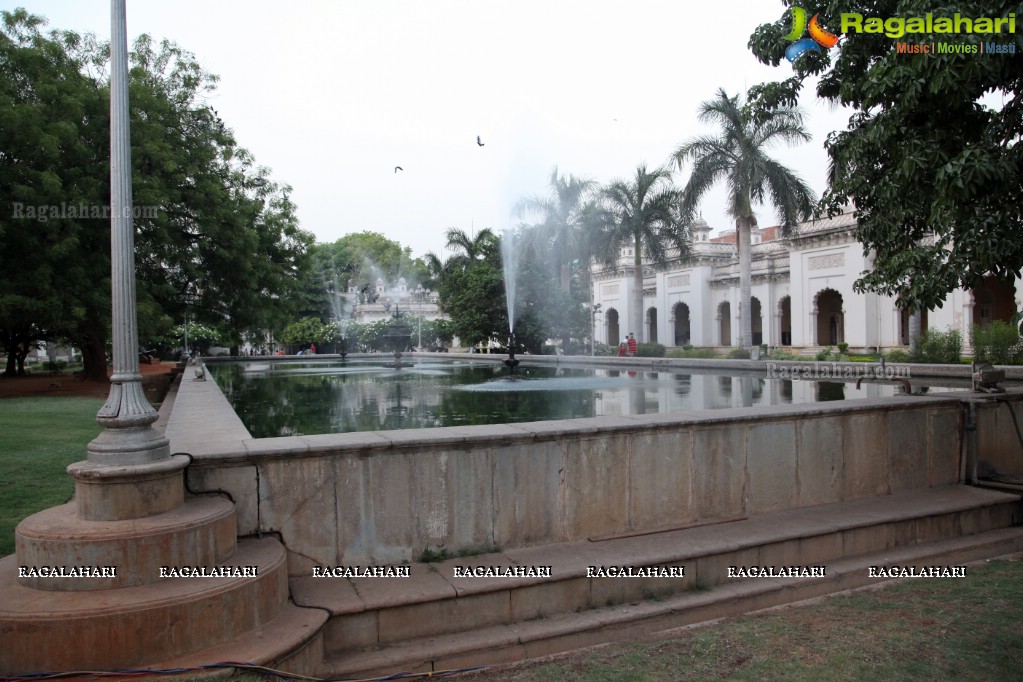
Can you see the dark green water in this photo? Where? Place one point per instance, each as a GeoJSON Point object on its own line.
{"type": "Point", "coordinates": [324, 396]}
{"type": "Point", "coordinates": [294, 399]}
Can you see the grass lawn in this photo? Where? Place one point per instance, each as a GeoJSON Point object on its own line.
{"type": "Point", "coordinates": [925, 629]}
{"type": "Point", "coordinates": [39, 437]}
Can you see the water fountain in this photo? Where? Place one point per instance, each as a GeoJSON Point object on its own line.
{"type": "Point", "coordinates": [509, 261]}
{"type": "Point", "coordinates": [340, 311]}
{"type": "Point", "coordinates": [398, 336]}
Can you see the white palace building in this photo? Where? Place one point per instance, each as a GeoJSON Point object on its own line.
{"type": "Point", "coordinates": [802, 295]}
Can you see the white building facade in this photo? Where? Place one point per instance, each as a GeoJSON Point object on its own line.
{"type": "Point", "coordinates": [802, 295]}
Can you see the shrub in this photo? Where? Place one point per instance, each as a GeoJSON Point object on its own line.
{"type": "Point", "coordinates": [940, 347]}
{"type": "Point", "coordinates": [690, 352]}
{"type": "Point", "coordinates": [999, 344]}
{"type": "Point", "coordinates": [650, 350]}
{"type": "Point", "coordinates": [778, 354]}
{"type": "Point", "coordinates": [897, 356]}
{"type": "Point", "coordinates": [823, 354]}
{"type": "Point", "coordinates": [738, 354]}
{"type": "Point", "coordinates": [843, 348]}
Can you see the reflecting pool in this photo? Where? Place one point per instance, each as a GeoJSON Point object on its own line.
{"type": "Point", "coordinates": [304, 398]}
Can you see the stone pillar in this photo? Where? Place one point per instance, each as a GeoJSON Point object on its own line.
{"type": "Point", "coordinates": [968, 304]}
{"type": "Point", "coordinates": [129, 446]}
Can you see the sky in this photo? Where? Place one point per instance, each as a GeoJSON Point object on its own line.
{"type": "Point", "coordinates": [331, 95]}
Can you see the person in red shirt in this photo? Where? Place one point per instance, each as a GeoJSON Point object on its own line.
{"type": "Point", "coordinates": [632, 344]}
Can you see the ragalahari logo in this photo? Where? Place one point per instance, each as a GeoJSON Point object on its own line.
{"type": "Point", "coordinates": [818, 36]}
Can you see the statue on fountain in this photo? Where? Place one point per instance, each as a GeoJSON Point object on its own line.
{"type": "Point", "coordinates": [398, 334]}
{"type": "Point", "coordinates": [511, 362]}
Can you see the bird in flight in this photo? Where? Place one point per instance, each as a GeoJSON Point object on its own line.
{"type": "Point", "coordinates": [398, 168]}
{"type": "Point", "coordinates": [478, 141]}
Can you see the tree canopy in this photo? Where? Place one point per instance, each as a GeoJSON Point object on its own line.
{"type": "Point", "coordinates": [931, 157]}
{"type": "Point", "coordinates": [215, 238]}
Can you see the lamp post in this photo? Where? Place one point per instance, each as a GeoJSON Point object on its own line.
{"type": "Point", "coordinates": [129, 471]}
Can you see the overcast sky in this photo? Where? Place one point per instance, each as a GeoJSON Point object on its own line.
{"type": "Point", "coordinates": [331, 95]}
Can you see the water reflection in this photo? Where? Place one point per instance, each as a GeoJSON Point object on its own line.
{"type": "Point", "coordinates": [332, 397]}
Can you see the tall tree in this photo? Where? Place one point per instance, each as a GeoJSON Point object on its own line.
{"type": "Point", "coordinates": [215, 238]}
{"type": "Point", "coordinates": [641, 213]}
{"type": "Point", "coordinates": [559, 234]}
{"type": "Point", "coordinates": [472, 287]}
{"type": "Point", "coordinates": [468, 248]}
{"type": "Point", "coordinates": [931, 165]}
{"type": "Point", "coordinates": [738, 155]}
{"type": "Point", "coordinates": [561, 218]}
{"type": "Point", "coordinates": [53, 130]}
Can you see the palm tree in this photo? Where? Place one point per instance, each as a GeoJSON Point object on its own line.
{"type": "Point", "coordinates": [642, 214]}
{"type": "Point", "coordinates": [472, 248]}
{"type": "Point", "coordinates": [738, 157]}
{"type": "Point", "coordinates": [562, 217]}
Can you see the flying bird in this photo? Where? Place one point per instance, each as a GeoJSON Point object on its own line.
{"type": "Point", "coordinates": [478, 141]}
{"type": "Point", "coordinates": [398, 168]}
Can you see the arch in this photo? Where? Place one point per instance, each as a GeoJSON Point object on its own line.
{"type": "Point", "coordinates": [683, 324]}
{"type": "Point", "coordinates": [613, 333]}
{"type": "Point", "coordinates": [725, 323]}
{"type": "Point", "coordinates": [756, 321]}
{"type": "Point", "coordinates": [785, 313]}
{"type": "Point", "coordinates": [651, 325]}
{"type": "Point", "coordinates": [830, 317]}
{"type": "Point", "coordinates": [993, 300]}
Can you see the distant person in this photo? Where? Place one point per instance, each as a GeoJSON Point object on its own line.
{"type": "Point", "coordinates": [633, 346]}
{"type": "Point", "coordinates": [312, 349]}
{"type": "Point", "coordinates": [621, 349]}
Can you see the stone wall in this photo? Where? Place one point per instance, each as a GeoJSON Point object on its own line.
{"type": "Point", "coordinates": [384, 497]}
{"type": "Point", "coordinates": [997, 439]}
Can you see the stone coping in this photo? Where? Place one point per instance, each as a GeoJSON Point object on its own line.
{"type": "Point", "coordinates": [204, 425]}
{"type": "Point", "coordinates": [918, 370]}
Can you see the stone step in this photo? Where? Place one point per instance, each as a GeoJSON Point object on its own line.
{"type": "Point", "coordinates": [292, 641]}
{"type": "Point", "coordinates": [368, 612]}
{"type": "Point", "coordinates": [375, 612]}
{"type": "Point", "coordinates": [510, 642]}
{"type": "Point", "coordinates": [124, 628]}
{"type": "Point", "coordinates": [201, 532]}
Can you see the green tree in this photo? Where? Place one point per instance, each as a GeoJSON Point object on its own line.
{"type": "Point", "coordinates": [560, 237]}
{"type": "Point", "coordinates": [641, 214]}
{"type": "Point", "coordinates": [216, 240]}
{"type": "Point", "coordinates": [932, 170]}
{"type": "Point", "coordinates": [52, 118]}
{"type": "Point", "coordinates": [561, 220]}
{"type": "Point", "coordinates": [306, 331]}
{"type": "Point", "coordinates": [738, 155]}
{"type": "Point", "coordinates": [472, 287]}
{"type": "Point", "coordinates": [358, 260]}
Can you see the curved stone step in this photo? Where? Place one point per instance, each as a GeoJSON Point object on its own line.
{"type": "Point", "coordinates": [124, 628]}
{"type": "Point", "coordinates": [292, 641]}
{"type": "Point", "coordinates": [202, 532]}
